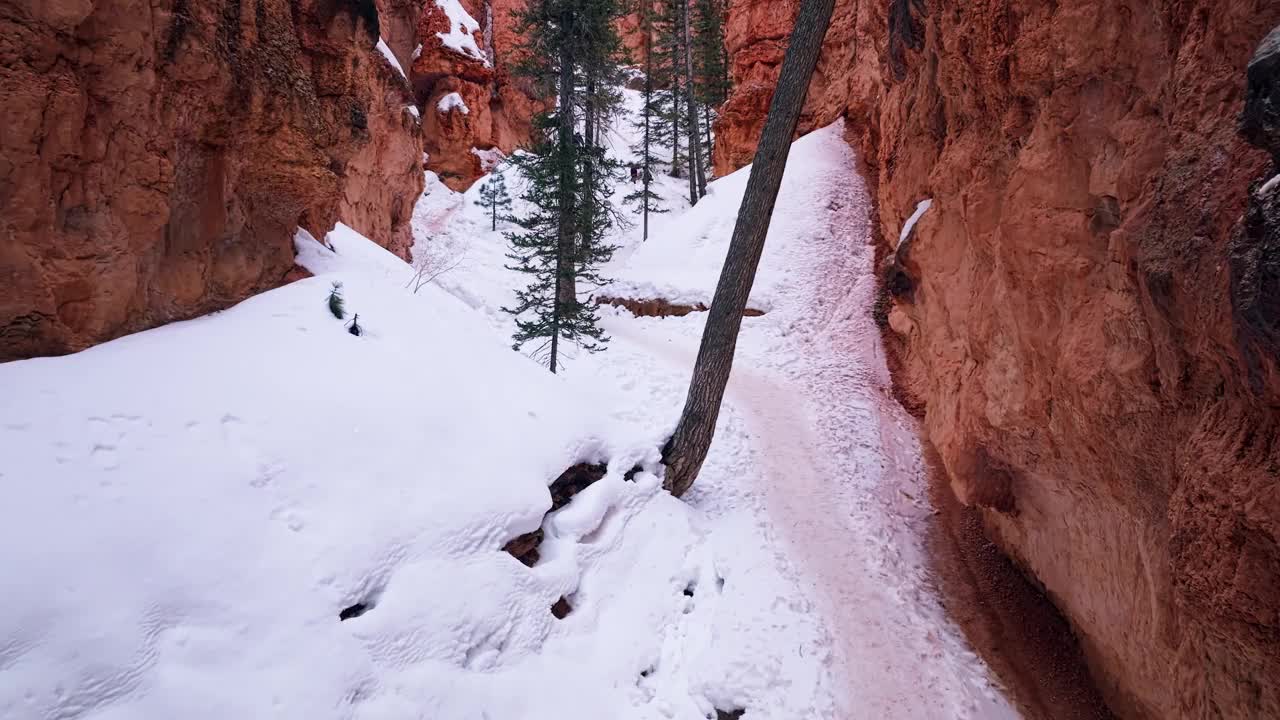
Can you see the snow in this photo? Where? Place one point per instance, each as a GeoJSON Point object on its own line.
{"type": "Point", "coordinates": [413, 110]}
{"type": "Point", "coordinates": [462, 29]}
{"type": "Point", "coordinates": [921, 208]}
{"type": "Point", "coordinates": [189, 508]}
{"type": "Point", "coordinates": [1266, 187]}
{"type": "Point", "coordinates": [417, 51]}
{"type": "Point", "coordinates": [489, 159]}
{"type": "Point", "coordinates": [815, 475]}
{"type": "Point", "coordinates": [390, 56]}
{"type": "Point", "coordinates": [450, 102]}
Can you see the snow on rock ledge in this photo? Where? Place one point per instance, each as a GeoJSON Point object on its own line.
{"type": "Point", "coordinates": [452, 101]}
{"type": "Point", "coordinates": [390, 56]}
{"type": "Point", "coordinates": [461, 37]}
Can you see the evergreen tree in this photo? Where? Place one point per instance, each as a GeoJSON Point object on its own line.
{"type": "Point", "coordinates": [644, 199]}
{"type": "Point", "coordinates": [571, 54]}
{"type": "Point", "coordinates": [711, 63]}
{"type": "Point", "coordinates": [697, 174]}
{"type": "Point", "coordinates": [337, 305]}
{"type": "Point", "coordinates": [710, 58]}
{"type": "Point", "coordinates": [665, 75]}
{"type": "Point", "coordinates": [495, 198]}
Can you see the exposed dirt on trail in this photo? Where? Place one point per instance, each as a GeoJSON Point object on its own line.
{"type": "Point", "coordinates": [658, 307]}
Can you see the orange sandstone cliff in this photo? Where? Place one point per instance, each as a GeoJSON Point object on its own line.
{"type": "Point", "coordinates": [158, 156]}
{"type": "Point", "coordinates": [1087, 316]}
{"type": "Point", "coordinates": [471, 102]}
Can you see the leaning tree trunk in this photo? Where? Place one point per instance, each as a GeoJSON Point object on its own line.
{"type": "Point", "coordinates": [687, 448]}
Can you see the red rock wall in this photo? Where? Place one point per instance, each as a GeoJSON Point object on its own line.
{"type": "Point", "coordinates": [500, 107]}
{"type": "Point", "coordinates": [1067, 316]}
{"type": "Point", "coordinates": [157, 156]}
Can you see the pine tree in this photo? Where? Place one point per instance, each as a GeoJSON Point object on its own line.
{"type": "Point", "coordinates": [711, 63]}
{"type": "Point", "coordinates": [336, 303]}
{"type": "Point", "coordinates": [665, 76]}
{"type": "Point", "coordinates": [495, 198]}
{"type": "Point", "coordinates": [697, 175]}
{"type": "Point", "coordinates": [644, 199]}
{"type": "Point", "coordinates": [710, 57]}
{"type": "Point", "coordinates": [570, 54]}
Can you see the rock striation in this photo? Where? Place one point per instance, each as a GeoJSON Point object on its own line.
{"type": "Point", "coordinates": [157, 156]}
{"type": "Point", "coordinates": [1086, 317]}
{"type": "Point", "coordinates": [488, 107]}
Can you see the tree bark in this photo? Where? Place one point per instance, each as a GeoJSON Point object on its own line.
{"type": "Point", "coordinates": [697, 181]}
{"type": "Point", "coordinates": [648, 107]}
{"type": "Point", "coordinates": [566, 286]}
{"type": "Point", "coordinates": [675, 102]}
{"type": "Point", "coordinates": [687, 448]}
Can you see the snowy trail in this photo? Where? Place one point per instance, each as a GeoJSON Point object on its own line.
{"type": "Point", "coordinates": [812, 506]}
{"type": "Point", "coordinates": [812, 501]}
{"type": "Point", "coordinates": [838, 474]}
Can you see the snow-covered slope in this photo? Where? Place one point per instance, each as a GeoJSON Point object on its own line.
{"type": "Point", "coordinates": [189, 509]}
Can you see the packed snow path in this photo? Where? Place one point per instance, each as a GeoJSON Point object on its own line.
{"type": "Point", "coordinates": [838, 474]}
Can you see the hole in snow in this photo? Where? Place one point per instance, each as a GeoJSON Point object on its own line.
{"type": "Point", "coordinates": [562, 608]}
{"type": "Point", "coordinates": [525, 547]}
{"type": "Point", "coordinates": [355, 611]}
{"type": "Point", "coordinates": [719, 583]}
{"type": "Point", "coordinates": [688, 589]}
{"type": "Point", "coordinates": [571, 482]}
{"type": "Point", "coordinates": [368, 595]}
{"type": "Point", "coordinates": [728, 714]}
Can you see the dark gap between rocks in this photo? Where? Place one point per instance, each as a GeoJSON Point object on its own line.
{"type": "Point", "coordinates": [562, 608]}
{"type": "Point", "coordinates": [354, 611]}
{"type": "Point", "coordinates": [571, 482]}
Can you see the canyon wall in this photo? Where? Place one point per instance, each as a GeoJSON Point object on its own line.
{"type": "Point", "coordinates": [1086, 318]}
{"type": "Point", "coordinates": [157, 155]}
{"type": "Point", "coordinates": [493, 108]}
{"type": "Point", "coordinates": [488, 107]}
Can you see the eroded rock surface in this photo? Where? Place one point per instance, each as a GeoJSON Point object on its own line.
{"type": "Point", "coordinates": [492, 109]}
{"type": "Point", "coordinates": [1087, 316]}
{"type": "Point", "coordinates": [1086, 323]}
{"type": "Point", "coordinates": [157, 156]}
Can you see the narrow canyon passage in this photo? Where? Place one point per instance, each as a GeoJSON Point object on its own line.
{"type": "Point", "coordinates": [838, 473]}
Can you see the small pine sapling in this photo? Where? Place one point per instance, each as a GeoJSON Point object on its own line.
{"type": "Point", "coordinates": [354, 328]}
{"type": "Point", "coordinates": [495, 199]}
{"type": "Point", "coordinates": [336, 304]}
